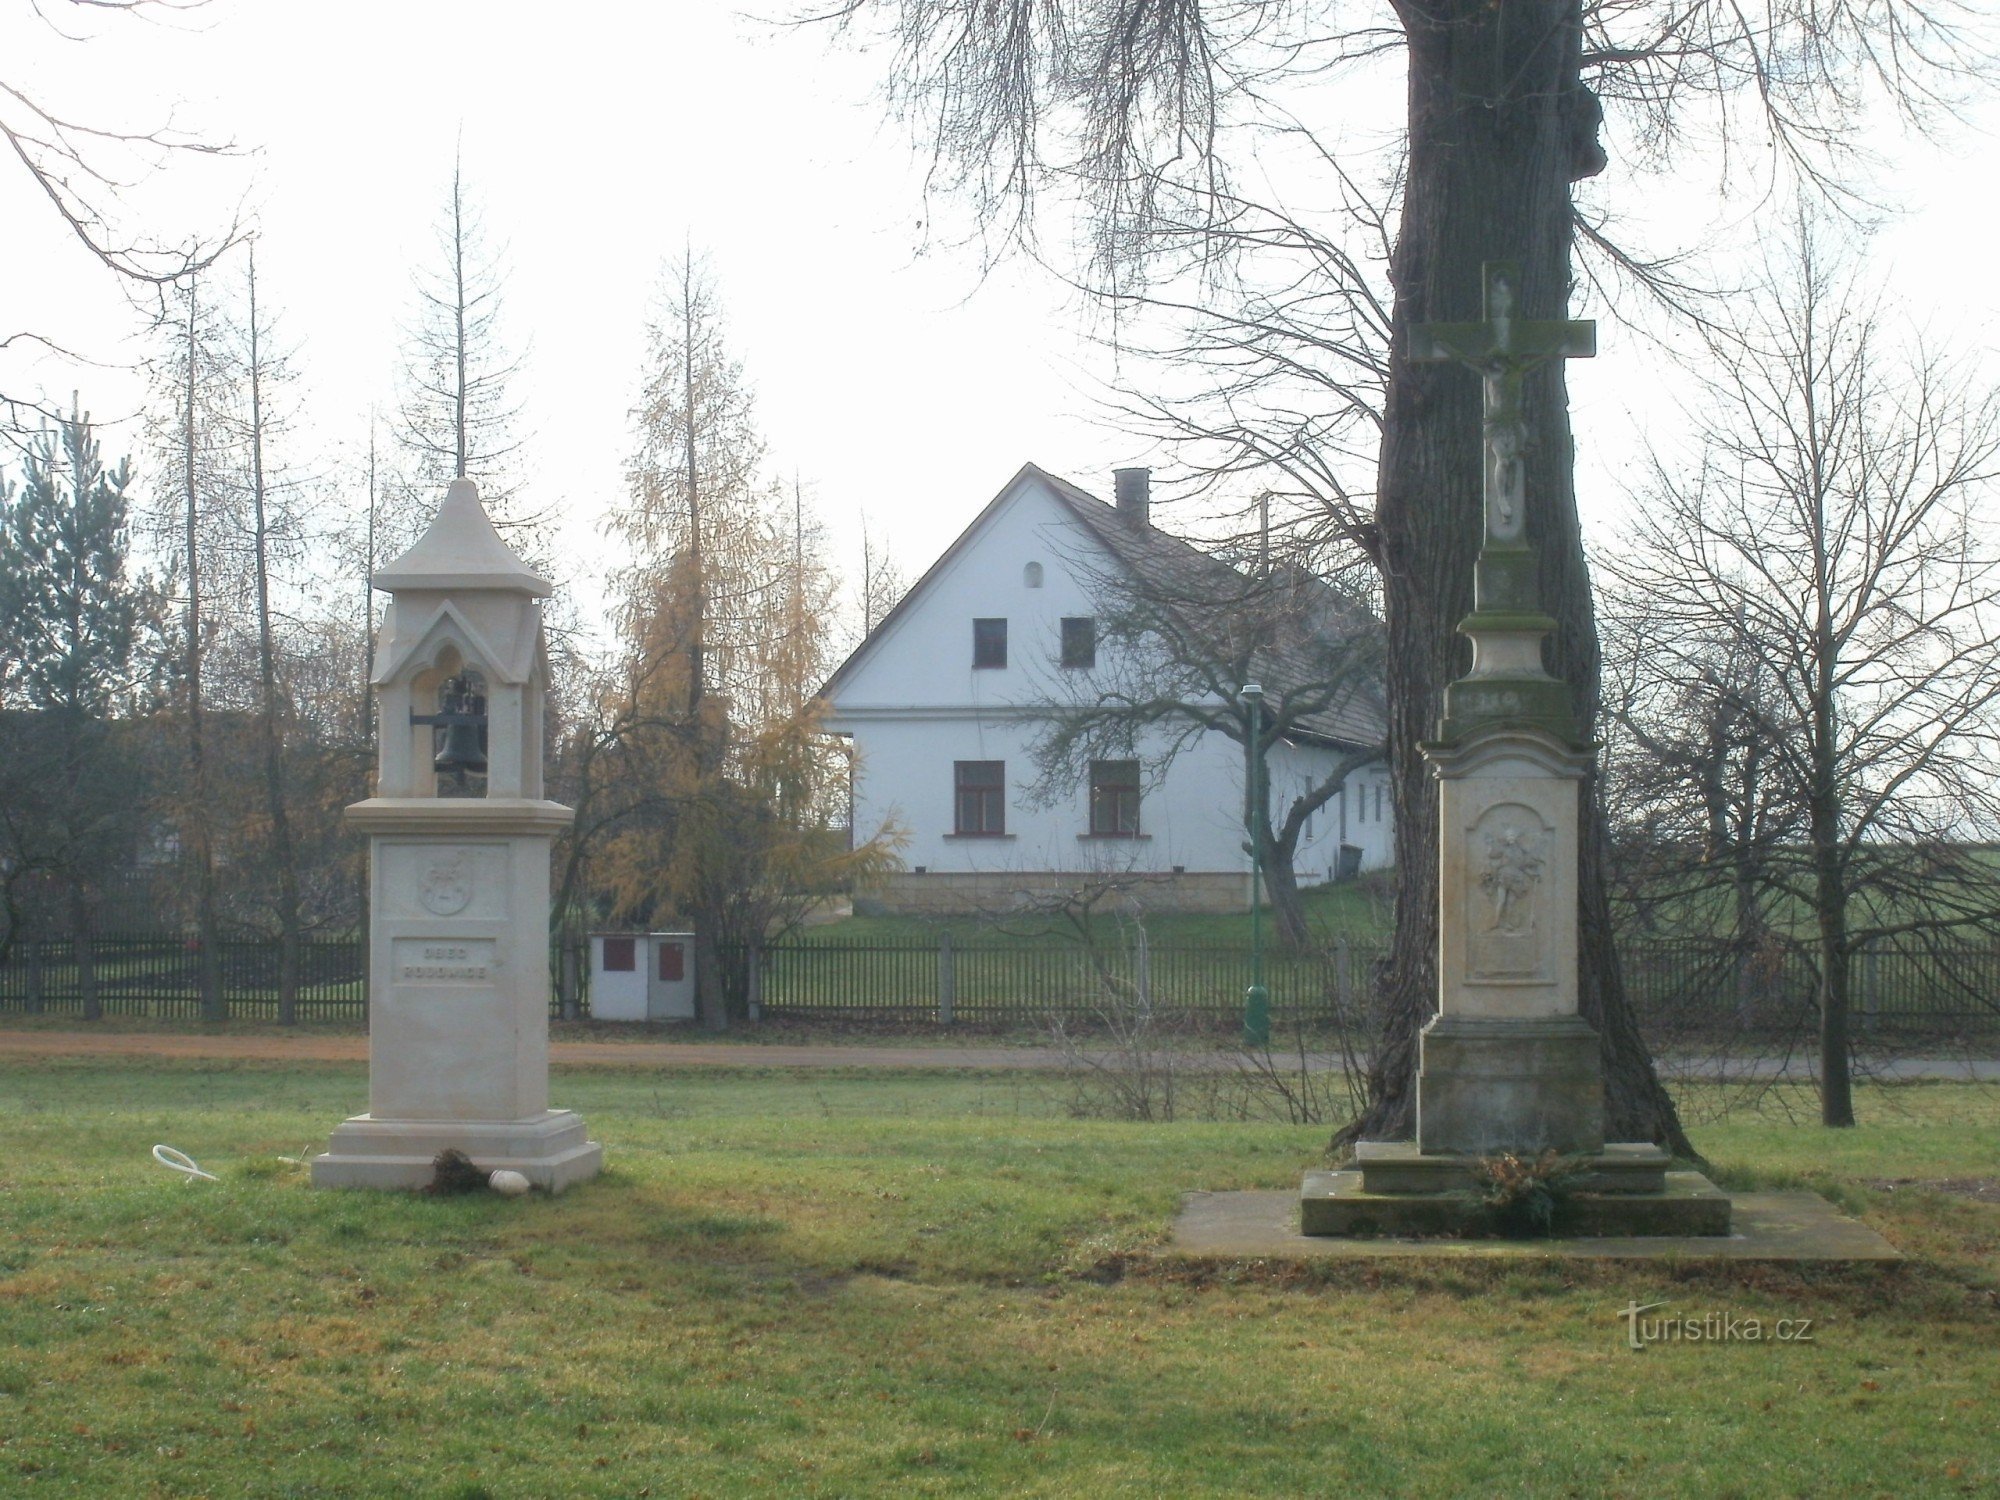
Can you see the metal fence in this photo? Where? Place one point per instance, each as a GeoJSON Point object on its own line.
{"type": "Point", "coordinates": [161, 976]}
{"type": "Point", "coordinates": [1895, 989]}
{"type": "Point", "coordinates": [946, 982]}
{"type": "Point", "coordinates": [1676, 988]}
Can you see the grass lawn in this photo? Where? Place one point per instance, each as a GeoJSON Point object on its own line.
{"type": "Point", "coordinates": [843, 1283]}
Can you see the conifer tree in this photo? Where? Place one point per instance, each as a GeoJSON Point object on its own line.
{"type": "Point", "coordinates": [72, 623]}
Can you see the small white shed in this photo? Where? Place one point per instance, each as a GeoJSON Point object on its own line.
{"type": "Point", "coordinates": [642, 976]}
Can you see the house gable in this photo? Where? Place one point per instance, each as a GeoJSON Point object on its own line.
{"type": "Point", "coordinates": [920, 658]}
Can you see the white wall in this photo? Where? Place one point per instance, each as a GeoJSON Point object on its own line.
{"type": "Point", "coordinates": [916, 704]}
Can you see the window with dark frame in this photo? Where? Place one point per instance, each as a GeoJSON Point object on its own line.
{"type": "Point", "coordinates": [619, 955]}
{"type": "Point", "coordinates": [989, 644]}
{"type": "Point", "coordinates": [979, 797]}
{"type": "Point", "coordinates": [1079, 641]}
{"type": "Point", "coordinates": [1114, 798]}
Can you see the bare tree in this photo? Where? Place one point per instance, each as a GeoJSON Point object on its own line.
{"type": "Point", "coordinates": [1148, 118]}
{"type": "Point", "coordinates": [1834, 531]}
{"type": "Point", "coordinates": [79, 169]}
{"type": "Point", "coordinates": [1697, 801]}
{"type": "Point", "coordinates": [457, 417]}
{"type": "Point", "coordinates": [1178, 635]}
{"type": "Point", "coordinates": [271, 529]}
{"type": "Point", "coordinates": [882, 583]}
{"type": "Point", "coordinates": [195, 384]}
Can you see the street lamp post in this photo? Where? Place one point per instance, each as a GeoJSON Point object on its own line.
{"type": "Point", "coordinates": [1257, 999]}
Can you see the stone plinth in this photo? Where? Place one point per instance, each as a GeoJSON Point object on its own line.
{"type": "Point", "coordinates": [550, 1149]}
{"type": "Point", "coordinates": [1520, 1084]}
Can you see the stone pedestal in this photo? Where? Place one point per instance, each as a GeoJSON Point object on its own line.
{"type": "Point", "coordinates": [1520, 1084]}
{"type": "Point", "coordinates": [458, 1045]}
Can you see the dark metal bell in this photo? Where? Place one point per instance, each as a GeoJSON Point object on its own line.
{"type": "Point", "coordinates": [462, 754]}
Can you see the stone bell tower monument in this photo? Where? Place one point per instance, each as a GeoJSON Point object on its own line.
{"type": "Point", "coordinates": [458, 859]}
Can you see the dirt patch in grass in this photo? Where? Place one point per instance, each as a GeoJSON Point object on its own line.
{"type": "Point", "coordinates": [1979, 1189]}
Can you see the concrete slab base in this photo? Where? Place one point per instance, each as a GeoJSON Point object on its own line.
{"type": "Point", "coordinates": [1341, 1203]}
{"type": "Point", "coordinates": [1763, 1227]}
{"type": "Point", "coordinates": [551, 1150]}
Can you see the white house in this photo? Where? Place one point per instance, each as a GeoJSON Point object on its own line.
{"type": "Point", "coordinates": [947, 698]}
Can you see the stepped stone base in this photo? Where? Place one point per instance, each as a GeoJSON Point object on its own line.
{"type": "Point", "coordinates": [551, 1150]}
{"type": "Point", "coordinates": [1404, 1167]}
{"type": "Point", "coordinates": [1340, 1203]}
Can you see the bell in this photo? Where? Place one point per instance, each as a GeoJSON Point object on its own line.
{"type": "Point", "coordinates": [461, 755]}
{"type": "Point", "coordinates": [463, 720]}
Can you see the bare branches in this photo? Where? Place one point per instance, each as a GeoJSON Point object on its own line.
{"type": "Point", "coordinates": [82, 169]}
{"type": "Point", "coordinates": [1825, 562]}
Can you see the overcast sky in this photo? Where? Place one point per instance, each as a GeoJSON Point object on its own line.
{"type": "Point", "coordinates": [894, 379]}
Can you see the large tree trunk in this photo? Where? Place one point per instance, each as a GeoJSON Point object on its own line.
{"type": "Point", "coordinates": [1499, 127]}
{"type": "Point", "coordinates": [1288, 911]}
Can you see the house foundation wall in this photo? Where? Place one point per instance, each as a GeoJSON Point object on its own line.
{"type": "Point", "coordinates": [966, 891]}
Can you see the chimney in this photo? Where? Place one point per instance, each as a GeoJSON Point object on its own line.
{"type": "Point", "coordinates": [1133, 489]}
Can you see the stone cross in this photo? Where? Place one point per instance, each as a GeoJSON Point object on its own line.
{"type": "Point", "coordinates": [1503, 349]}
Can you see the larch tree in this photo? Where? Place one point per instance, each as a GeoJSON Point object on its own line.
{"type": "Point", "coordinates": [273, 534]}
{"type": "Point", "coordinates": [1146, 121]}
{"type": "Point", "coordinates": [723, 787]}
{"type": "Point", "coordinates": [195, 398]}
{"type": "Point", "coordinates": [458, 415]}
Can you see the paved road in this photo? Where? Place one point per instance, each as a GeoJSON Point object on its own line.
{"type": "Point", "coordinates": [281, 1047]}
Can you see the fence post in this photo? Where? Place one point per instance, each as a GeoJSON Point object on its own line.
{"type": "Point", "coordinates": [35, 978]}
{"type": "Point", "coordinates": [1144, 976]}
{"type": "Point", "coordinates": [753, 982]}
{"type": "Point", "coordinates": [1871, 979]}
{"type": "Point", "coordinates": [568, 982]}
{"type": "Point", "coordinates": [947, 978]}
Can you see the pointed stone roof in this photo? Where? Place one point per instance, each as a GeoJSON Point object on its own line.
{"type": "Point", "coordinates": [461, 551]}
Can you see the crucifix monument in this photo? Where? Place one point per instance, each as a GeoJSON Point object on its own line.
{"type": "Point", "coordinates": [458, 874]}
{"type": "Point", "coordinates": [1508, 1066]}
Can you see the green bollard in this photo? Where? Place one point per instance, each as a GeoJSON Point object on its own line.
{"type": "Point", "coordinates": [1256, 1016]}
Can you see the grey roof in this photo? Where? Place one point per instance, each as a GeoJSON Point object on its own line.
{"type": "Point", "coordinates": [1312, 617]}
{"type": "Point", "coordinates": [1203, 588]}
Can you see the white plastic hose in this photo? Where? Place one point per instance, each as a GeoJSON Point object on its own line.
{"type": "Point", "coordinates": [167, 1156]}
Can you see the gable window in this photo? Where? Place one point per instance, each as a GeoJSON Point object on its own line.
{"type": "Point", "coordinates": [1031, 575]}
{"type": "Point", "coordinates": [989, 644]}
{"type": "Point", "coordinates": [1114, 798]}
{"type": "Point", "coordinates": [1079, 641]}
{"type": "Point", "coordinates": [979, 796]}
